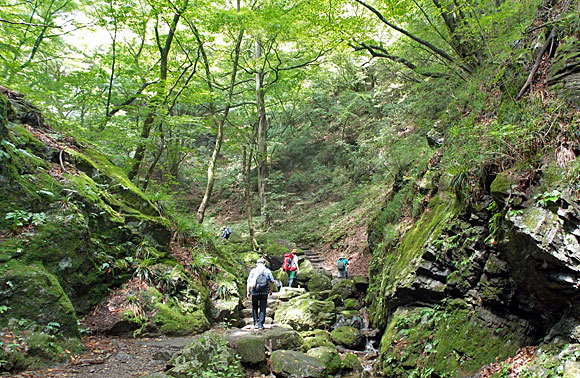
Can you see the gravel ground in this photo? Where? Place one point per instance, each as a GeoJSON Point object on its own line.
{"type": "Point", "coordinates": [108, 357]}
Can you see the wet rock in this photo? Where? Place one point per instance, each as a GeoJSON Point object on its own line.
{"type": "Point", "coordinates": [293, 364]}
{"type": "Point", "coordinates": [350, 318]}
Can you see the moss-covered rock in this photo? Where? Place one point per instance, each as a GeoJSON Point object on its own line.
{"type": "Point", "coordinates": [208, 354]}
{"type": "Point", "coordinates": [393, 275]}
{"type": "Point", "coordinates": [293, 364]}
{"type": "Point", "coordinates": [172, 320]}
{"type": "Point", "coordinates": [248, 345]}
{"type": "Point", "coordinates": [306, 272]}
{"type": "Point", "coordinates": [349, 337]}
{"type": "Point", "coordinates": [316, 338]}
{"type": "Point", "coordinates": [328, 356]}
{"type": "Point", "coordinates": [281, 276]}
{"type": "Point", "coordinates": [306, 313]}
{"type": "Point", "coordinates": [454, 342]}
{"type": "Point", "coordinates": [351, 304]}
{"type": "Point", "coordinates": [30, 292]}
{"type": "Point", "coordinates": [351, 363]}
{"type": "Point", "coordinates": [282, 338]}
{"type": "Point", "coordinates": [343, 289]}
{"type": "Point", "coordinates": [320, 281]}
{"type": "Point", "coordinates": [554, 360]}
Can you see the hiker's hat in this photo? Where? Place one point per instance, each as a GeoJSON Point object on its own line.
{"type": "Point", "coordinates": [261, 261]}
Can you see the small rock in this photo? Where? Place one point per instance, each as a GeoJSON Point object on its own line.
{"type": "Point", "coordinates": [162, 355]}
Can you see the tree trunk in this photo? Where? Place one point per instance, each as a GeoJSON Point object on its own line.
{"type": "Point", "coordinates": [158, 99]}
{"type": "Point", "coordinates": [248, 194]}
{"type": "Point", "coordinates": [220, 122]}
{"type": "Point", "coordinates": [262, 134]}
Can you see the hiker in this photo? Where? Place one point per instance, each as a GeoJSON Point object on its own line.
{"type": "Point", "coordinates": [226, 232]}
{"type": "Point", "coordinates": [260, 285]}
{"type": "Point", "coordinates": [341, 264]}
{"type": "Point", "coordinates": [290, 265]}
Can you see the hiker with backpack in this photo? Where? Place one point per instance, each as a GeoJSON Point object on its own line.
{"type": "Point", "coordinates": [290, 265]}
{"type": "Point", "coordinates": [260, 285]}
{"type": "Point", "coordinates": [341, 264]}
{"type": "Point", "coordinates": [226, 232]}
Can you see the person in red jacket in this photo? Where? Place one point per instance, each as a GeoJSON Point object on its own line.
{"type": "Point", "coordinates": [290, 265]}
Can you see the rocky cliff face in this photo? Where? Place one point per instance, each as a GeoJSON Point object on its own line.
{"type": "Point", "coordinates": [73, 229]}
{"type": "Point", "coordinates": [469, 284]}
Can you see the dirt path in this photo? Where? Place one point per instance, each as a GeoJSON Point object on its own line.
{"type": "Point", "coordinates": [109, 357]}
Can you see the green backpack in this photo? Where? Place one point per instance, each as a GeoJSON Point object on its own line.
{"type": "Point", "coordinates": [341, 264]}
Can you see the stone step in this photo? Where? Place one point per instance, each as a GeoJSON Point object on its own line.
{"type": "Point", "coordinates": [247, 312]}
{"type": "Point", "coordinates": [250, 321]}
{"type": "Point", "coordinates": [272, 304]}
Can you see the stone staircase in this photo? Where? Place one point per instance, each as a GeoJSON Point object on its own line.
{"type": "Point", "coordinates": [285, 294]}
{"type": "Point", "coordinates": [315, 258]}
{"type": "Point", "coordinates": [246, 318]}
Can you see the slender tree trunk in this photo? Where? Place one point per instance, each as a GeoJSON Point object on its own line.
{"type": "Point", "coordinates": [154, 163]}
{"type": "Point", "coordinates": [112, 76]}
{"type": "Point", "coordinates": [262, 134]}
{"type": "Point", "coordinates": [220, 122]}
{"type": "Point", "coordinates": [157, 101]}
{"type": "Point", "coordinates": [248, 194]}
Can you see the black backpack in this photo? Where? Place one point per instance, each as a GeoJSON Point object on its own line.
{"type": "Point", "coordinates": [262, 283]}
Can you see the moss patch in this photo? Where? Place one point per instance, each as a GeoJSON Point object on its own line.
{"type": "Point", "coordinates": [32, 293]}
{"type": "Point", "coordinates": [451, 341]}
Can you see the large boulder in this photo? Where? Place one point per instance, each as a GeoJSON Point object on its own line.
{"type": "Point", "coordinates": [282, 338]}
{"type": "Point", "coordinates": [349, 337]}
{"type": "Point", "coordinates": [321, 280]}
{"type": "Point", "coordinates": [306, 313]}
{"type": "Point", "coordinates": [306, 272]}
{"type": "Point", "coordinates": [343, 289]}
{"type": "Point", "coordinates": [328, 356]}
{"type": "Point", "coordinates": [293, 364]}
{"type": "Point", "coordinates": [248, 345]}
{"type": "Point", "coordinates": [30, 293]}
{"type": "Point", "coordinates": [208, 354]}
